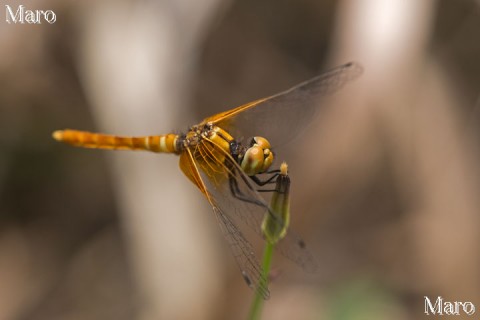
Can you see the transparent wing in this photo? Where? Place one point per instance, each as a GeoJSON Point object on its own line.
{"type": "Point", "coordinates": [280, 117]}
{"type": "Point", "coordinates": [247, 206]}
{"type": "Point", "coordinates": [244, 256]}
{"type": "Point", "coordinates": [242, 250]}
{"type": "Point", "coordinates": [295, 249]}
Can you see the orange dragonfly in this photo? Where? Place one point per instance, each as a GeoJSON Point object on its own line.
{"type": "Point", "coordinates": [232, 174]}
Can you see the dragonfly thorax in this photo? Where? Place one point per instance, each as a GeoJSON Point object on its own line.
{"type": "Point", "coordinates": [255, 158]}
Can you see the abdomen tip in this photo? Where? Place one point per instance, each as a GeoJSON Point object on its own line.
{"type": "Point", "coordinates": [58, 135]}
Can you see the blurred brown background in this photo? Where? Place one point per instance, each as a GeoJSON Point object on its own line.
{"type": "Point", "coordinates": [385, 183]}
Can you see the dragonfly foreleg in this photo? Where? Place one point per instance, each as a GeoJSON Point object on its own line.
{"type": "Point", "coordinates": [261, 183]}
{"type": "Point", "coordinates": [276, 189]}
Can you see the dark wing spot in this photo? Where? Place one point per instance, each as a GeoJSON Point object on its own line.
{"type": "Point", "coordinates": [302, 244]}
{"type": "Point", "coordinates": [247, 279]}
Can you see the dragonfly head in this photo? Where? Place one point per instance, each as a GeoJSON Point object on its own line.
{"type": "Point", "coordinates": [258, 157]}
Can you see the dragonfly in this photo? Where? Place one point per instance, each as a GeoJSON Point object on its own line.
{"type": "Point", "coordinates": [229, 157]}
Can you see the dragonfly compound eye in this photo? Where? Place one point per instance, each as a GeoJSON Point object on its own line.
{"type": "Point", "coordinates": [261, 142]}
{"type": "Point", "coordinates": [258, 158]}
{"type": "Point", "coordinates": [267, 152]}
{"type": "Point", "coordinates": [268, 159]}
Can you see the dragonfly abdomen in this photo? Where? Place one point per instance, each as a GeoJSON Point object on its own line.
{"type": "Point", "coordinates": [160, 143]}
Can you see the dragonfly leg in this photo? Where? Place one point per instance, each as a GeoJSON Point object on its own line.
{"type": "Point", "coordinates": [276, 189]}
{"type": "Point", "coordinates": [237, 193]}
{"type": "Point", "coordinates": [273, 171]}
{"type": "Point", "coordinates": [267, 190]}
{"type": "Point", "coordinates": [267, 181]}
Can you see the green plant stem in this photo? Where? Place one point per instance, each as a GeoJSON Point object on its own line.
{"type": "Point", "coordinates": [257, 304]}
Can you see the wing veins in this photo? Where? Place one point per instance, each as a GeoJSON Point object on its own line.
{"type": "Point", "coordinates": [292, 246]}
{"type": "Point", "coordinates": [241, 248]}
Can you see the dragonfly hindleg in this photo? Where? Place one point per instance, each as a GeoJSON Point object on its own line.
{"type": "Point", "coordinates": [238, 194]}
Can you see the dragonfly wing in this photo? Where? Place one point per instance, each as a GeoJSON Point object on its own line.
{"type": "Point", "coordinates": [242, 250]}
{"type": "Point", "coordinates": [188, 167]}
{"type": "Point", "coordinates": [280, 117]}
{"type": "Point", "coordinates": [248, 206]}
{"type": "Point", "coordinates": [294, 248]}
{"type": "Point", "coordinates": [243, 253]}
